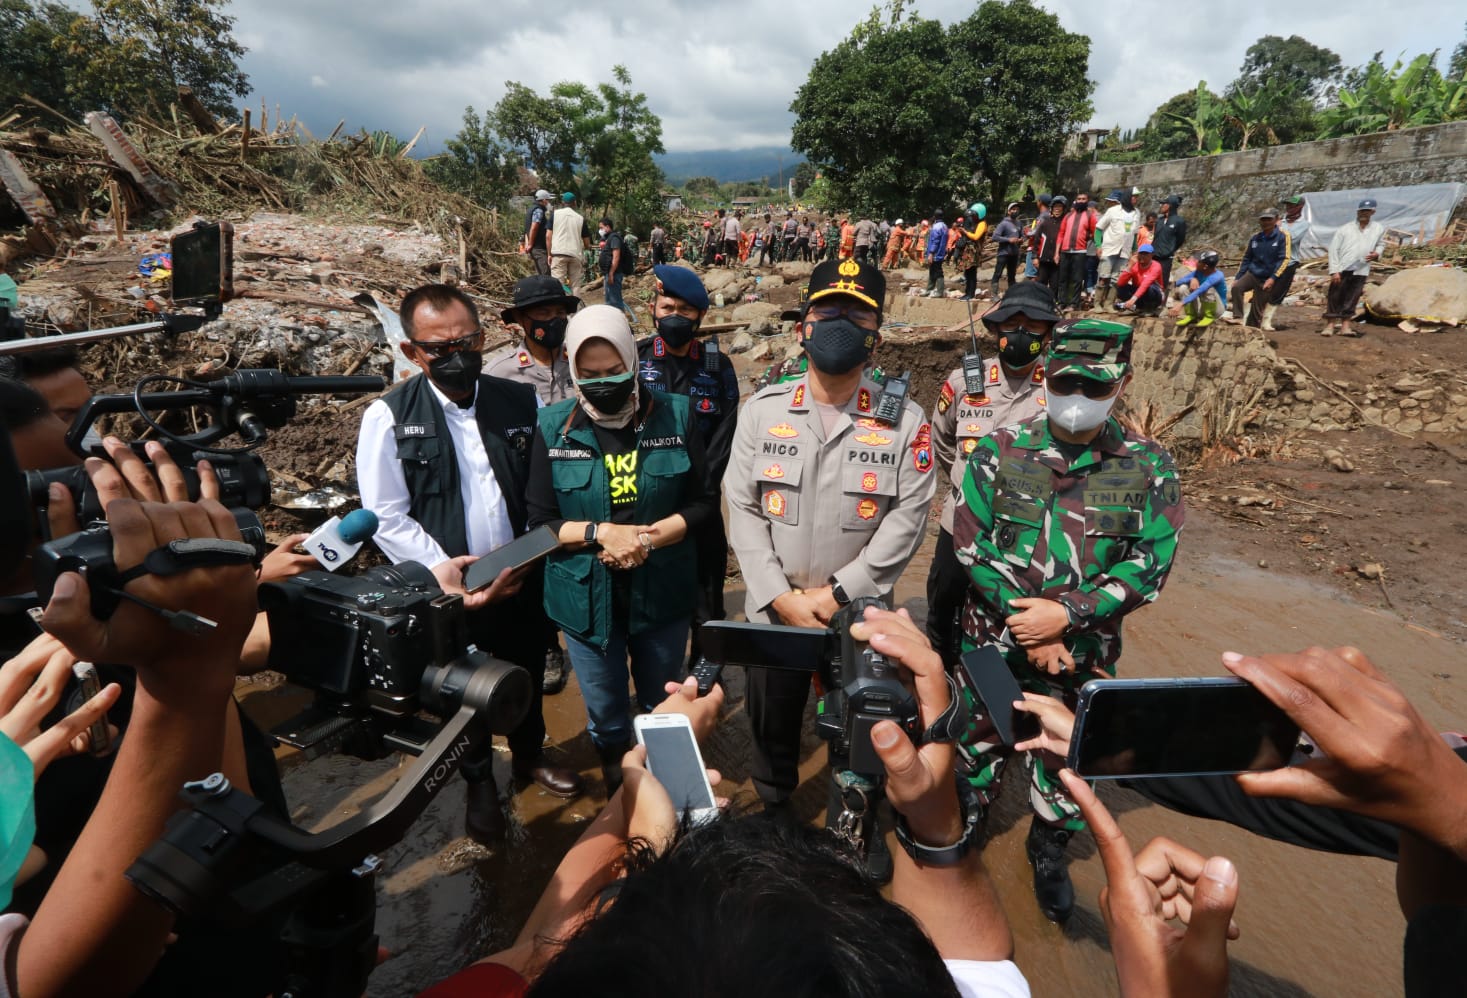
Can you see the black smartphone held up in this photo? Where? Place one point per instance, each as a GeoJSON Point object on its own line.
{"type": "Point", "coordinates": [1138, 728]}
{"type": "Point", "coordinates": [991, 680]}
{"type": "Point", "coordinates": [203, 265]}
{"type": "Point", "coordinates": [516, 554]}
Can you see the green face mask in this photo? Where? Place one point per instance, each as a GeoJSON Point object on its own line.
{"type": "Point", "coordinates": [17, 813]}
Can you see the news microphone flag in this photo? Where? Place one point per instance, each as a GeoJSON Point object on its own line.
{"type": "Point", "coordinates": [336, 542]}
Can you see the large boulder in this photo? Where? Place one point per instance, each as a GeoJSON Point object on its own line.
{"type": "Point", "coordinates": [755, 310]}
{"type": "Point", "coordinates": [1425, 294]}
{"type": "Point", "coordinates": [794, 270]}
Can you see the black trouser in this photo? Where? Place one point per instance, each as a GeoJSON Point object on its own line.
{"type": "Point", "coordinates": [934, 275]}
{"type": "Point", "coordinates": [1343, 298]}
{"type": "Point", "coordinates": [1048, 274]}
{"type": "Point", "coordinates": [730, 252]}
{"type": "Point", "coordinates": [776, 706]}
{"type": "Point", "coordinates": [863, 254]}
{"type": "Point", "coordinates": [1166, 270]}
{"type": "Point", "coordinates": [802, 249]}
{"type": "Point", "coordinates": [1008, 264]}
{"type": "Point", "coordinates": [789, 249]}
{"type": "Point", "coordinates": [766, 254]}
{"type": "Point", "coordinates": [970, 281]}
{"type": "Point", "coordinates": [1151, 298]}
{"type": "Point", "coordinates": [712, 547]}
{"type": "Point", "coordinates": [1071, 280]}
{"type": "Point", "coordinates": [1241, 286]}
{"type": "Point", "coordinates": [659, 254]}
{"type": "Point", "coordinates": [947, 588]}
{"type": "Point", "coordinates": [513, 630]}
{"type": "Point", "coordinates": [1283, 283]}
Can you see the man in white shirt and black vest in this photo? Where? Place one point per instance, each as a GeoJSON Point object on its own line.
{"type": "Point", "coordinates": [443, 459]}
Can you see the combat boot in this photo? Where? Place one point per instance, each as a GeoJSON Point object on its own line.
{"type": "Point", "coordinates": [554, 680]}
{"type": "Point", "coordinates": [611, 765]}
{"type": "Point", "coordinates": [1268, 313]}
{"type": "Point", "coordinates": [1052, 888]}
{"type": "Point", "coordinates": [1209, 314]}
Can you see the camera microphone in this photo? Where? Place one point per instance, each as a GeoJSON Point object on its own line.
{"type": "Point", "coordinates": [336, 542]}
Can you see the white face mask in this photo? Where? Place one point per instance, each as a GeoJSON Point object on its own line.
{"type": "Point", "coordinates": [1077, 414]}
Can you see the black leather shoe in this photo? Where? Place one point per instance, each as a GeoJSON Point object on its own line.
{"type": "Point", "coordinates": [1052, 888]}
{"type": "Point", "coordinates": [557, 781]}
{"type": "Point", "coordinates": [555, 670]}
{"type": "Point", "coordinates": [484, 818]}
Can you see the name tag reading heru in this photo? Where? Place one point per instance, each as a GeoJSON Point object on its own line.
{"type": "Point", "coordinates": [407, 431]}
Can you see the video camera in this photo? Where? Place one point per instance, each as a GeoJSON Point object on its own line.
{"type": "Point", "coordinates": [862, 686]}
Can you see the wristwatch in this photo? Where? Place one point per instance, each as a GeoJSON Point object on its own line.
{"type": "Point", "coordinates": [839, 593]}
{"type": "Point", "coordinates": [938, 855]}
{"type": "Point", "coordinates": [591, 533]}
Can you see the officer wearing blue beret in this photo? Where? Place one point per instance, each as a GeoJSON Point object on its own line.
{"type": "Point", "coordinates": [676, 361]}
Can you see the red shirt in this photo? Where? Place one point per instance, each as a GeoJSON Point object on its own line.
{"type": "Point", "coordinates": [1143, 279]}
{"type": "Point", "coordinates": [480, 980]}
{"type": "Point", "coordinates": [1077, 228]}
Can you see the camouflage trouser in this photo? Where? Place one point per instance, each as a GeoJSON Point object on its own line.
{"type": "Point", "coordinates": [982, 758]}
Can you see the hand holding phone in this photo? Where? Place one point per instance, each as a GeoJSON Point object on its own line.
{"type": "Point", "coordinates": [990, 679]}
{"type": "Point", "coordinates": [673, 758]}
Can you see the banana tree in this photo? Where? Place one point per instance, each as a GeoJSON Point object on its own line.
{"type": "Point", "coordinates": [1204, 122]}
{"type": "Point", "coordinates": [1252, 113]}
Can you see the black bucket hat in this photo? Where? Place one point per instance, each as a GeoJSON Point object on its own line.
{"type": "Point", "coordinates": [1030, 297]}
{"type": "Point", "coordinates": [539, 289]}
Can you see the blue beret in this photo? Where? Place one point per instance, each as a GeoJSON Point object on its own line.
{"type": "Point", "coordinates": [680, 282]}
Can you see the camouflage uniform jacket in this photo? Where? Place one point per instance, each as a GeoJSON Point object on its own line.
{"type": "Point", "coordinates": [1098, 534]}
{"type": "Point", "coordinates": [960, 420]}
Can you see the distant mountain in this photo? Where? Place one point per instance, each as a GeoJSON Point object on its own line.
{"type": "Point", "coordinates": [729, 165]}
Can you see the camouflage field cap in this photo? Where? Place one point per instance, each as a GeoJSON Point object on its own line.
{"type": "Point", "coordinates": [1090, 348]}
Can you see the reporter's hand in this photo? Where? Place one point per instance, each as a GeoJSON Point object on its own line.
{"type": "Point", "coordinates": [1143, 894]}
{"type": "Point", "coordinates": [285, 560]}
{"type": "Point", "coordinates": [31, 685]}
{"type": "Point", "coordinates": [127, 477]}
{"type": "Point", "coordinates": [1056, 724]}
{"type": "Point", "coordinates": [797, 610]}
{"type": "Point", "coordinates": [1037, 621]}
{"type": "Point", "coordinates": [169, 663]}
{"type": "Point", "coordinates": [450, 576]}
{"type": "Point", "coordinates": [1382, 759]}
{"type": "Point", "coordinates": [701, 712]}
{"type": "Point", "coordinates": [919, 781]}
{"type": "Point", "coordinates": [649, 810]}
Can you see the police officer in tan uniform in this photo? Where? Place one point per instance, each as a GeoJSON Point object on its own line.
{"type": "Point", "coordinates": [541, 310]}
{"type": "Point", "coordinates": [1013, 390]}
{"type": "Point", "coordinates": [826, 503]}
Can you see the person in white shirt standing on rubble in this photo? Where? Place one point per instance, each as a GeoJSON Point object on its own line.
{"type": "Point", "coordinates": [1350, 253]}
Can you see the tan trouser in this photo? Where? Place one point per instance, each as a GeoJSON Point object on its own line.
{"type": "Point", "coordinates": [568, 270]}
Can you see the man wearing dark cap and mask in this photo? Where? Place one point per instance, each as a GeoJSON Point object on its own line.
{"type": "Point", "coordinates": [443, 460]}
{"type": "Point", "coordinates": [826, 503]}
{"type": "Point", "coordinates": [675, 361]}
{"type": "Point", "coordinates": [1012, 390]}
{"type": "Point", "coordinates": [1169, 237]}
{"type": "Point", "coordinates": [541, 310]}
{"type": "Point", "coordinates": [1068, 522]}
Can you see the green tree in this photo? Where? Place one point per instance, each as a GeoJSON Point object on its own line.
{"type": "Point", "coordinates": [905, 116]}
{"type": "Point", "coordinates": [705, 186]}
{"type": "Point", "coordinates": [1293, 62]}
{"type": "Point", "coordinates": [1457, 69]}
{"type": "Point", "coordinates": [31, 61]}
{"type": "Point", "coordinates": [475, 164]}
{"type": "Point", "coordinates": [1403, 96]}
{"type": "Point", "coordinates": [134, 54]}
{"type": "Point", "coordinates": [805, 174]}
{"type": "Point", "coordinates": [1250, 113]}
{"type": "Point", "coordinates": [538, 128]}
{"type": "Point", "coordinates": [1202, 121]}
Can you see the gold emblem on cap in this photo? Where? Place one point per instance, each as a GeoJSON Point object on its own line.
{"type": "Point", "coordinates": [849, 268]}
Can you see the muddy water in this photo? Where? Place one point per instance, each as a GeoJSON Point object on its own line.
{"type": "Point", "coordinates": [1312, 924]}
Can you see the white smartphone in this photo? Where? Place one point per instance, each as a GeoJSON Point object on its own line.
{"type": "Point", "coordinates": [673, 757]}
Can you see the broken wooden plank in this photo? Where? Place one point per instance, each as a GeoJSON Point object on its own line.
{"type": "Point", "coordinates": [197, 112]}
{"type": "Point", "coordinates": [23, 190]}
{"type": "Point", "coordinates": [409, 147]}
{"type": "Point", "coordinates": [126, 155]}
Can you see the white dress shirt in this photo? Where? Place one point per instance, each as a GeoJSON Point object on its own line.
{"type": "Point", "coordinates": [384, 487]}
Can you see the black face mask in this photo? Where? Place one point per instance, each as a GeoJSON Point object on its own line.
{"type": "Point", "coordinates": [839, 346]}
{"type": "Point", "coordinates": [549, 333]}
{"type": "Point", "coordinates": [458, 373]}
{"type": "Point", "coordinates": [1019, 349]}
{"type": "Point", "coordinates": [609, 396]}
{"type": "Point", "coordinates": [677, 330]}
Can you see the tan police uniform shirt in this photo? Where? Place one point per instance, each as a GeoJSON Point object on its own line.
{"type": "Point", "coordinates": [804, 507]}
{"type": "Point", "coordinates": [960, 420]}
{"type": "Point", "coordinates": [551, 383]}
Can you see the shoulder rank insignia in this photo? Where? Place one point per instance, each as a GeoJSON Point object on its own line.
{"type": "Point", "coordinates": [946, 396]}
{"type": "Point", "coordinates": [1041, 400]}
{"type": "Point", "coordinates": [784, 431]}
{"type": "Point", "coordinates": [863, 400]}
{"type": "Point", "coordinates": [922, 449]}
{"type": "Point", "coordinates": [873, 439]}
{"type": "Point", "coordinates": [798, 401]}
{"type": "Point", "coordinates": [524, 359]}
{"type": "Point", "coordinates": [993, 374]}
{"type": "Point", "coordinates": [659, 347]}
{"type": "Point", "coordinates": [1038, 378]}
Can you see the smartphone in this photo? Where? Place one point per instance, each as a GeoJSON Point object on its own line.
{"type": "Point", "coordinates": [91, 684]}
{"type": "Point", "coordinates": [673, 757]}
{"type": "Point", "coordinates": [517, 553]}
{"type": "Point", "coordinates": [1139, 728]}
{"type": "Point", "coordinates": [203, 265]}
{"type": "Point", "coordinates": [994, 684]}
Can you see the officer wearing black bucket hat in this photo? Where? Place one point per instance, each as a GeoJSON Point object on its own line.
{"type": "Point", "coordinates": [541, 310]}
{"type": "Point", "coordinates": [1012, 390]}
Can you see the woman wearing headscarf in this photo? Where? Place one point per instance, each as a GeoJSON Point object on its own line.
{"type": "Point", "coordinates": [616, 472]}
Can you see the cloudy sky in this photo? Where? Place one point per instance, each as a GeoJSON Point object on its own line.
{"type": "Point", "coordinates": [723, 75]}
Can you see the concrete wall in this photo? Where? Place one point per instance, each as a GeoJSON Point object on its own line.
{"type": "Point", "coordinates": [1222, 194]}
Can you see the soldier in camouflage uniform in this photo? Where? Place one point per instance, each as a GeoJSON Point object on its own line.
{"type": "Point", "coordinates": [1068, 522]}
{"type": "Point", "coordinates": [1012, 390]}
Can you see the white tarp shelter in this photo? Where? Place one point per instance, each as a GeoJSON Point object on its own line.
{"type": "Point", "coordinates": [1415, 215]}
